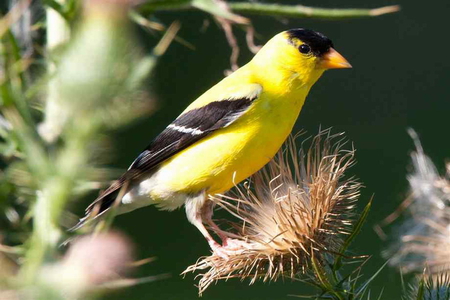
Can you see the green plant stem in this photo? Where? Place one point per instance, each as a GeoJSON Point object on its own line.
{"type": "Point", "coordinates": [54, 189]}
{"type": "Point", "coordinates": [293, 11]}
{"type": "Point", "coordinates": [166, 5]}
{"type": "Point", "coordinates": [355, 231]}
{"type": "Point", "coordinates": [12, 82]}
{"type": "Point", "coordinates": [300, 11]}
{"type": "Point", "coordinates": [41, 168]}
{"type": "Point", "coordinates": [46, 232]}
{"type": "Point", "coordinates": [54, 193]}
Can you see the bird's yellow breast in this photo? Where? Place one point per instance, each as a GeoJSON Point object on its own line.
{"type": "Point", "coordinates": [232, 154]}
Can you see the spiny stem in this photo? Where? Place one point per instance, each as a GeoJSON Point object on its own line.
{"type": "Point", "coordinates": [300, 11]}
{"type": "Point", "coordinates": [54, 190]}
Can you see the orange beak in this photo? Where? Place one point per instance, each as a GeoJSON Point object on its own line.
{"type": "Point", "coordinates": [333, 60]}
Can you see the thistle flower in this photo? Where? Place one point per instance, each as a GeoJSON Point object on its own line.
{"type": "Point", "coordinates": [90, 262]}
{"type": "Point", "coordinates": [93, 264]}
{"type": "Point", "coordinates": [424, 239]}
{"type": "Point", "coordinates": [294, 210]}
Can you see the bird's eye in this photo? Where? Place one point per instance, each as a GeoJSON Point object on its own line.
{"type": "Point", "coordinates": [305, 49]}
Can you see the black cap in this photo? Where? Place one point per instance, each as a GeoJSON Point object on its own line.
{"type": "Point", "coordinates": [318, 42]}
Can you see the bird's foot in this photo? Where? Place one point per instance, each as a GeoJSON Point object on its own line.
{"type": "Point", "coordinates": [229, 248]}
{"type": "Point", "coordinates": [234, 244]}
{"type": "Point", "coordinates": [218, 249]}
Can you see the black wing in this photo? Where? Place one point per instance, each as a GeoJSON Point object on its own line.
{"type": "Point", "coordinates": [186, 130]}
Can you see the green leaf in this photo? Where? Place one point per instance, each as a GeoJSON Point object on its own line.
{"type": "Point", "coordinates": [362, 288]}
{"type": "Point", "coordinates": [70, 9]}
{"type": "Point", "coordinates": [326, 286]}
{"type": "Point", "coordinates": [356, 230]}
{"type": "Point", "coordinates": [320, 274]}
{"type": "Point", "coordinates": [140, 72]}
{"type": "Point", "coordinates": [421, 289]}
{"type": "Point", "coordinates": [12, 88]}
{"type": "Point", "coordinates": [381, 294]}
{"type": "Point", "coordinates": [55, 5]}
{"type": "Point", "coordinates": [67, 10]}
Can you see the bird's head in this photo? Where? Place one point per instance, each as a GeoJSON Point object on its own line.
{"type": "Point", "coordinates": [301, 54]}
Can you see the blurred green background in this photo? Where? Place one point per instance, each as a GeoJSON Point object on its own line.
{"type": "Point", "coordinates": [399, 80]}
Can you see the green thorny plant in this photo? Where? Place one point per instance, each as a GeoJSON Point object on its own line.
{"type": "Point", "coordinates": [421, 243]}
{"type": "Point", "coordinates": [65, 81]}
{"type": "Point", "coordinates": [92, 86]}
{"type": "Point", "coordinates": [429, 288]}
{"type": "Point", "coordinates": [295, 219]}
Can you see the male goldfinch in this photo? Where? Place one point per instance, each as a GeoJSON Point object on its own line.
{"type": "Point", "coordinates": [227, 134]}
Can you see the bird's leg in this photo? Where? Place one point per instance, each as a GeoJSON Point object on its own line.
{"type": "Point", "coordinates": [207, 212]}
{"type": "Point", "coordinates": [212, 243]}
{"type": "Point", "coordinates": [199, 210]}
{"type": "Point", "coordinates": [215, 247]}
{"type": "Point", "coordinates": [229, 244]}
{"type": "Point", "coordinates": [194, 207]}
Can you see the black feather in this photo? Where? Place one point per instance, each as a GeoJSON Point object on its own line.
{"type": "Point", "coordinates": [207, 119]}
{"type": "Point", "coordinates": [318, 42]}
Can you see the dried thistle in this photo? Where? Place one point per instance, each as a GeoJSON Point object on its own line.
{"type": "Point", "coordinates": [298, 209]}
{"type": "Point", "coordinates": [423, 241]}
{"type": "Point", "coordinates": [98, 262]}
{"type": "Point", "coordinates": [91, 261]}
{"type": "Point", "coordinates": [430, 288]}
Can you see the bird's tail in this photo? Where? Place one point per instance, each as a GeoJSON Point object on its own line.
{"type": "Point", "coordinates": [100, 206]}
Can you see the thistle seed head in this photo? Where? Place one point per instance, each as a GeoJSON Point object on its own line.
{"type": "Point", "coordinates": [297, 207]}
{"type": "Point", "coordinates": [423, 239]}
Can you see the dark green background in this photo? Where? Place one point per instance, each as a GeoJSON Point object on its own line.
{"type": "Point", "coordinates": [399, 80]}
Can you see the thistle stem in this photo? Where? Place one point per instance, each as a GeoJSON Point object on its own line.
{"type": "Point", "coordinates": [293, 11]}
{"type": "Point", "coordinates": [54, 188]}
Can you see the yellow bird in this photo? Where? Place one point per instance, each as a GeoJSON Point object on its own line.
{"type": "Point", "coordinates": [227, 134]}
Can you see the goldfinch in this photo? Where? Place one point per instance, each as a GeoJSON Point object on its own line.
{"type": "Point", "coordinates": [227, 134]}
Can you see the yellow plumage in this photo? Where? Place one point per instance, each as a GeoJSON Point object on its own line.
{"type": "Point", "coordinates": [229, 132]}
{"type": "Point", "coordinates": [234, 153]}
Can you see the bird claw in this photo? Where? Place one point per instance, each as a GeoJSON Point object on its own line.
{"type": "Point", "coordinates": [221, 252]}
{"type": "Point", "coordinates": [229, 248]}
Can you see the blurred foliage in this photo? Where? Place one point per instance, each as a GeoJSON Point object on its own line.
{"type": "Point", "coordinates": [66, 81]}
{"type": "Point", "coordinates": [91, 83]}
